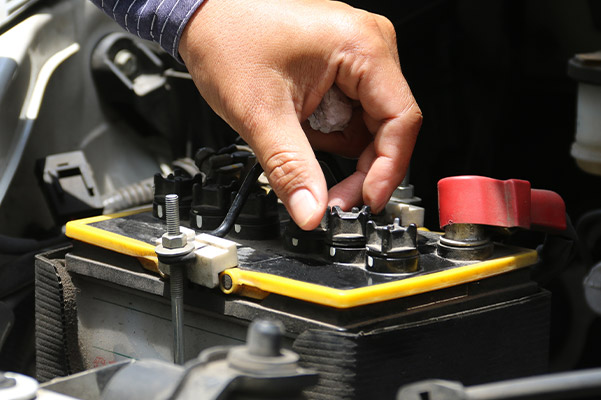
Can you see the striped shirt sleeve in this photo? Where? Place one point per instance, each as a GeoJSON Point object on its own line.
{"type": "Point", "coordinates": [161, 21]}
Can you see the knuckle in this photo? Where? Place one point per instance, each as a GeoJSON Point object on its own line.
{"type": "Point", "coordinates": [387, 26]}
{"type": "Point", "coordinates": [377, 32]}
{"type": "Point", "coordinates": [376, 24]}
{"type": "Point", "coordinates": [363, 39]}
{"type": "Point", "coordinates": [285, 171]}
{"type": "Point", "coordinates": [367, 20]}
{"type": "Point", "coordinates": [414, 118]}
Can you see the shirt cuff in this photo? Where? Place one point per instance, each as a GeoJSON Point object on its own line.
{"type": "Point", "coordinates": [162, 21]}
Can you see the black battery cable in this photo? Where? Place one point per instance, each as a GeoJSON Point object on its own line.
{"type": "Point", "coordinates": [239, 200]}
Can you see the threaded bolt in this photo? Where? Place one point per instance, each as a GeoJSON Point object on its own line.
{"type": "Point", "coordinates": [177, 311]}
{"type": "Point", "coordinates": [177, 275]}
{"type": "Point", "coordinates": [172, 214]}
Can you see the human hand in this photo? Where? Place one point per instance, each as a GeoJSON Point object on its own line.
{"type": "Point", "coordinates": [264, 66]}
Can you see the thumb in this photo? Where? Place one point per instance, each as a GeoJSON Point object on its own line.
{"type": "Point", "coordinates": [291, 168]}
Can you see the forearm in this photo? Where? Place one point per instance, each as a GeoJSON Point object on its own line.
{"type": "Point", "coordinates": [161, 21]}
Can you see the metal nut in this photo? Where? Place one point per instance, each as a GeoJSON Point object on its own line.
{"type": "Point", "coordinates": [174, 241]}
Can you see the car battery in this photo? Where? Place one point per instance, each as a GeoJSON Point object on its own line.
{"type": "Point", "coordinates": [367, 321]}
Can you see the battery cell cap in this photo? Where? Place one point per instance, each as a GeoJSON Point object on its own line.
{"type": "Point", "coordinates": [509, 204]}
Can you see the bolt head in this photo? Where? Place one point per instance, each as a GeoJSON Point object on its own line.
{"type": "Point", "coordinates": [126, 61]}
{"type": "Point", "coordinates": [174, 241]}
{"type": "Point", "coordinates": [403, 192]}
{"type": "Point", "coordinates": [264, 338]}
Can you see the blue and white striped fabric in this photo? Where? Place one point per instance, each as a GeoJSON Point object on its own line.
{"type": "Point", "coordinates": [162, 21]}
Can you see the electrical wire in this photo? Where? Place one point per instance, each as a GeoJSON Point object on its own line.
{"type": "Point", "coordinates": [239, 200]}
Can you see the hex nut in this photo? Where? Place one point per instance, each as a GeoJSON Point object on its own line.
{"type": "Point", "coordinates": [174, 241]}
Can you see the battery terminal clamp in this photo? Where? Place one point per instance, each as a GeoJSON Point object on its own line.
{"type": "Point", "coordinates": [470, 205]}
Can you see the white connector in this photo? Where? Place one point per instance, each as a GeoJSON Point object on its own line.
{"type": "Point", "coordinates": [213, 256]}
{"type": "Point", "coordinates": [407, 213]}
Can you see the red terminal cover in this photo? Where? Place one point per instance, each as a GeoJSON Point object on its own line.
{"type": "Point", "coordinates": [511, 203]}
{"type": "Point", "coordinates": [548, 211]}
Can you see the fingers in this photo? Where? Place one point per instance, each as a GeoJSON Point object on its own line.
{"type": "Point", "coordinates": [291, 168]}
{"type": "Point", "coordinates": [393, 146]}
{"type": "Point", "coordinates": [373, 76]}
{"type": "Point", "coordinates": [347, 193]}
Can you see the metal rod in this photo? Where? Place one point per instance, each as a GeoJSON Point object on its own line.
{"type": "Point", "coordinates": [566, 385]}
{"type": "Point", "coordinates": [176, 277]}
{"type": "Point", "coordinates": [177, 311]}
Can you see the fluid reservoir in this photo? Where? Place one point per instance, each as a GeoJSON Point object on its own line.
{"type": "Point", "coordinates": [586, 149]}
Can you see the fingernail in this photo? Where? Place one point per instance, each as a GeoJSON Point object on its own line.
{"type": "Point", "coordinates": [302, 206]}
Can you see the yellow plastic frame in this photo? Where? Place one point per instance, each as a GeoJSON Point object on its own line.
{"type": "Point", "coordinates": [258, 284]}
{"type": "Point", "coordinates": [243, 280]}
{"type": "Point", "coordinates": [82, 230]}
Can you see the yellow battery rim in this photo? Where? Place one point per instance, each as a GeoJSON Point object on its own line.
{"type": "Point", "coordinates": [258, 284]}
{"type": "Point", "coordinates": [242, 280]}
{"type": "Point", "coordinates": [82, 230]}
